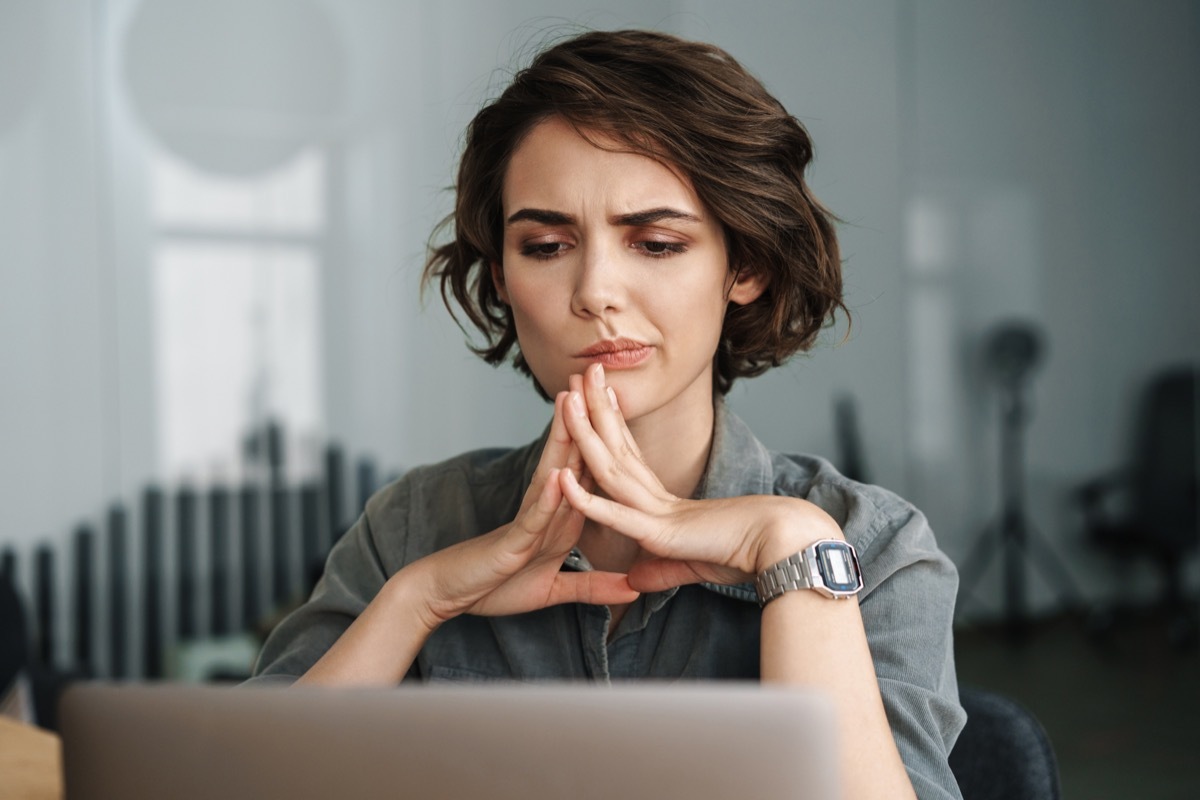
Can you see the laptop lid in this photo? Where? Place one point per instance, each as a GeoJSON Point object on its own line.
{"type": "Point", "coordinates": [548, 741]}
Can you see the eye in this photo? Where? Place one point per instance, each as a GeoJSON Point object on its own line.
{"type": "Point", "coordinates": [660, 249]}
{"type": "Point", "coordinates": [543, 250]}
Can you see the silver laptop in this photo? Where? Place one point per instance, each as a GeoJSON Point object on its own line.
{"type": "Point", "coordinates": [652, 741]}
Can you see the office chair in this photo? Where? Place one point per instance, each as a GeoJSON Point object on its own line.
{"type": "Point", "coordinates": [1161, 516]}
{"type": "Point", "coordinates": [1003, 753]}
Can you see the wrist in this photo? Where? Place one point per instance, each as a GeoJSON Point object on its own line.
{"type": "Point", "coordinates": [796, 525]}
{"type": "Point", "coordinates": [408, 594]}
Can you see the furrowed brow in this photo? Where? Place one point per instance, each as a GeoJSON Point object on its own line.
{"type": "Point", "coordinates": [540, 215]}
{"type": "Point", "coordinates": [653, 215]}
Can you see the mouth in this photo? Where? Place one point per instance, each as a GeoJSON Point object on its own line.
{"type": "Point", "coordinates": [616, 353]}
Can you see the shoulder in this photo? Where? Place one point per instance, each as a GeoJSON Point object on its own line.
{"type": "Point", "coordinates": [888, 531]}
{"type": "Point", "coordinates": [436, 505]}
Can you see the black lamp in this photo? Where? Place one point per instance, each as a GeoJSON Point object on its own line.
{"type": "Point", "coordinates": [1012, 351]}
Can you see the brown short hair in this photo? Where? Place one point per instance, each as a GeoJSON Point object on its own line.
{"type": "Point", "coordinates": [694, 107]}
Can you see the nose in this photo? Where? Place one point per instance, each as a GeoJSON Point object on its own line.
{"type": "Point", "coordinates": [598, 287]}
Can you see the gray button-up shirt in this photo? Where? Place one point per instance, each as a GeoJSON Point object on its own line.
{"type": "Point", "coordinates": [693, 632]}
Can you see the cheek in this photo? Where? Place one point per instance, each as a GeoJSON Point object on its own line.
{"type": "Point", "coordinates": [702, 305]}
{"type": "Point", "coordinates": [531, 308]}
{"type": "Point", "coordinates": [539, 327]}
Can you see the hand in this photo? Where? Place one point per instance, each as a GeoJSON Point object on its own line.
{"type": "Point", "coordinates": [722, 541]}
{"type": "Point", "coordinates": [516, 568]}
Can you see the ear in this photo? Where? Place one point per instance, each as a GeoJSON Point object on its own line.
{"type": "Point", "coordinates": [747, 287]}
{"type": "Point", "coordinates": [498, 280]}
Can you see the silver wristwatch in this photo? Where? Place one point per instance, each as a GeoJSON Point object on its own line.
{"type": "Point", "coordinates": [829, 566]}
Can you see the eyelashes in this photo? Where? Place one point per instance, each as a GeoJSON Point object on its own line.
{"type": "Point", "coordinates": [651, 248]}
{"type": "Point", "coordinates": [543, 251]}
{"type": "Point", "coordinates": [659, 249]}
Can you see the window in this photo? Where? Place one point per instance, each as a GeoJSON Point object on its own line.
{"type": "Point", "coordinates": [236, 293]}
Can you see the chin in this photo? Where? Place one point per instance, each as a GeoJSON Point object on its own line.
{"type": "Point", "coordinates": [633, 404]}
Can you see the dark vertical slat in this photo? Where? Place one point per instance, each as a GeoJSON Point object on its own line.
{"type": "Point", "coordinates": [8, 566]}
{"type": "Point", "coordinates": [281, 573]}
{"type": "Point", "coordinates": [280, 542]}
{"type": "Point", "coordinates": [366, 482]}
{"type": "Point", "coordinates": [275, 452]}
{"type": "Point", "coordinates": [185, 531]}
{"type": "Point", "coordinates": [118, 580]}
{"type": "Point", "coordinates": [218, 522]}
{"type": "Point", "coordinates": [311, 523]}
{"type": "Point", "coordinates": [152, 571]}
{"type": "Point", "coordinates": [8, 576]}
{"type": "Point", "coordinates": [44, 594]}
{"type": "Point", "coordinates": [335, 490]}
{"type": "Point", "coordinates": [251, 569]}
{"type": "Point", "coordinates": [852, 464]}
{"type": "Point", "coordinates": [82, 583]}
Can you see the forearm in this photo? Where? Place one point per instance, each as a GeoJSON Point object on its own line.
{"type": "Point", "coordinates": [381, 645]}
{"type": "Point", "coordinates": [815, 641]}
{"type": "Point", "coordinates": [810, 640]}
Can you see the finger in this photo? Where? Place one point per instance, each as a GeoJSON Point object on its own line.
{"type": "Point", "coordinates": [558, 444]}
{"type": "Point", "coordinates": [660, 574]}
{"type": "Point", "coordinates": [563, 532]}
{"type": "Point", "coordinates": [597, 588]}
{"type": "Point", "coordinates": [533, 521]}
{"type": "Point", "coordinates": [555, 453]}
{"type": "Point", "coordinates": [619, 474]}
{"type": "Point", "coordinates": [625, 432]}
{"type": "Point", "coordinates": [604, 413]}
{"type": "Point", "coordinates": [635, 524]}
{"type": "Point", "coordinates": [602, 410]}
{"type": "Point", "coordinates": [575, 461]}
{"type": "Point", "coordinates": [586, 480]}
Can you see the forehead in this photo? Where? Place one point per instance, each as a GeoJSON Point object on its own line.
{"type": "Point", "coordinates": [556, 167]}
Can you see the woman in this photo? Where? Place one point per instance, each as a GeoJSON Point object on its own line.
{"type": "Point", "coordinates": [632, 226]}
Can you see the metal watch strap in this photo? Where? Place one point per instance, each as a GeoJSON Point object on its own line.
{"type": "Point", "coordinates": [793, 572]}
{"type": "Point", "coordinates": [815, 567]}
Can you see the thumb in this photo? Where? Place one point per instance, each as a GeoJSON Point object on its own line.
{"type": "Point", "coordinates": [660, 574]}
{"type": "Point", "coordinates": [596, 588]}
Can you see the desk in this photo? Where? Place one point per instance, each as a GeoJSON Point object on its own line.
{"type": "Point", "coordinates": [30, 762]}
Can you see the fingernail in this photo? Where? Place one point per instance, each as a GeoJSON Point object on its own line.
{"type": "Point", "coordinates": [612, 398]}
{"type": "Point", "coordinates": [598, 375]}
{"type": "Point", "coordinates": [577, 402]}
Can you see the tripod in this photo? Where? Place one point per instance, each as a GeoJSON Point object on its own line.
{"type": "Point", "coordinates": [1012, 531]}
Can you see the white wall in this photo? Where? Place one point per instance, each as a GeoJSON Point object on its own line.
{"type": "Point", "coordinates": [1050, 145]}
{"type": "Point", "coordinates": [59, 435]}
{"type": "Point", "coordinates": [989, 160]}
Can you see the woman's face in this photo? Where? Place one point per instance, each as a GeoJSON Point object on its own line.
{"type": "Point", "coordinates": [611, 257]}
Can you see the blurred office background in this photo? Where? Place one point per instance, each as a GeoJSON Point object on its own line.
{"type": "Point", "coordinates": [213, 217]}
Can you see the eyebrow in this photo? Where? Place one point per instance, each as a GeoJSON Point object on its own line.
{"type": "Point", "coordinates": [540, 215]}
{"type": "Point", "coordinates": [632, 219]}
{"type": "Point", "coordinates": [653, 215]}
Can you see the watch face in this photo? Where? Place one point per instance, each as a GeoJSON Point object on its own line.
{"type": "Point", "coordinates": [839, 568]}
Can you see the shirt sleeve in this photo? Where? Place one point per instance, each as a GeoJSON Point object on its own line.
{"type": "Point", "coordinates": [354, 574]}
{"type": "Point", "coordinates": [907, 607]}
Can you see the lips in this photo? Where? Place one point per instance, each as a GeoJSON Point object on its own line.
{"type": "Point", "coordinates": [616, 353]}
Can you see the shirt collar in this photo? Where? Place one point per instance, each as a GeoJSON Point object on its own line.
{"type": "Point", "coordinates": [738, 464]}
